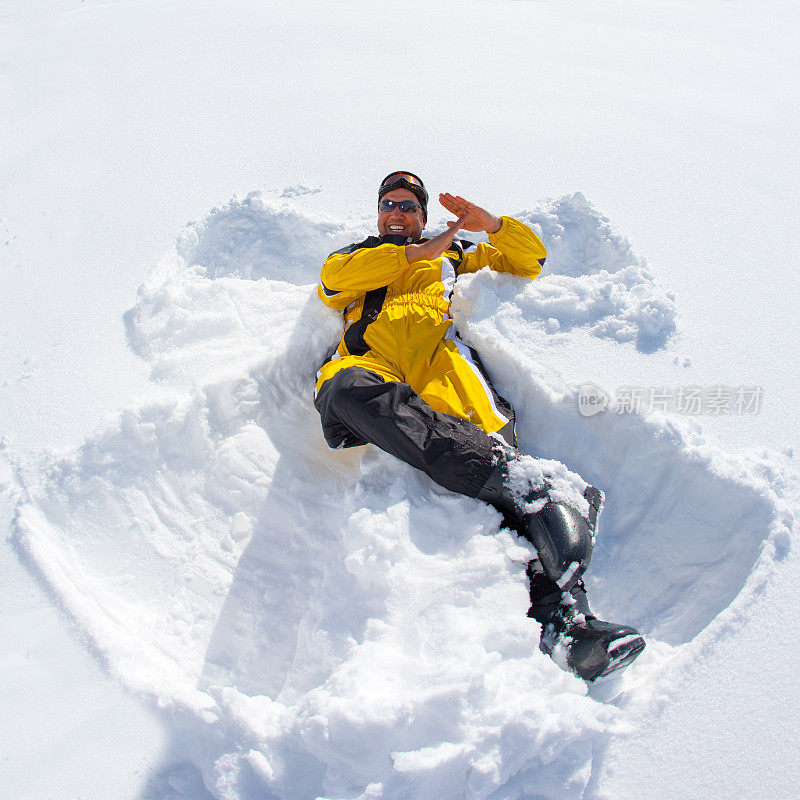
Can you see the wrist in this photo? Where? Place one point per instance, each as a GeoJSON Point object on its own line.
{"type": "Point", "coordinates": [495, 225]}
{"type": "Point", "coordinates": [414, 252]}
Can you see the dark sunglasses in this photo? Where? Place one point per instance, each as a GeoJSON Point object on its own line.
{"type": "Point", "coordinates": [406, 206]}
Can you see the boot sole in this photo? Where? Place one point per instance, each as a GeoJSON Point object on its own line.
{"type": "Point", "coordinates": [624, 651]}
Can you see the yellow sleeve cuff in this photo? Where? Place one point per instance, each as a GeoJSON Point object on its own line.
{"type": "Point", "coordinates": [504, 225]}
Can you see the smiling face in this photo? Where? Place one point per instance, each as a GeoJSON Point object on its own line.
{"type": "Point", "coordinates": [399, 223]}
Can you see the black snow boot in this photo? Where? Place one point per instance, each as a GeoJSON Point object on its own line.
{"type": "Point", "coordinates": [573, 637]}
{"type": "Point", "coordinates": [564, 539]}
{"type": "Point", "coordinates": [562, 536]}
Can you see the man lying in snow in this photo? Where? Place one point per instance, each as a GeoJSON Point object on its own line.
{"type": "Point", "coordinates": [402, 379]}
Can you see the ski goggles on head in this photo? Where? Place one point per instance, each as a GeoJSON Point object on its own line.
{"type": "Point", "coordinates": [408, 177]}
{"type": "Point", "coordinates": [406, 206]}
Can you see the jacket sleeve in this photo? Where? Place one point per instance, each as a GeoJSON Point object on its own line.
{"type": "Point", "coordinates": [349, 273]}
{"type": "Point", "coordinates": [515, 249]}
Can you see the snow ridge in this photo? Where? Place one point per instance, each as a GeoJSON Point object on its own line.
{"type": "Point", "coordinates": [332, 624]}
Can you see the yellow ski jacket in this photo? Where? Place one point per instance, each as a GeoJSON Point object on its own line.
{"type": "Point", "coordinates": [380, 265]}
{"type": "Point", "coordinates": [397, 315]}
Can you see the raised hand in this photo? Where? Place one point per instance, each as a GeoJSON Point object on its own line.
{"type": "Point", "coordinates": [475, 218]}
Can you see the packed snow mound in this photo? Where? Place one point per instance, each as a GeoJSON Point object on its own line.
{"type": "Point", "coordinates": [254, 238]}
{"type": "Point", "coordinates": [331, 624]}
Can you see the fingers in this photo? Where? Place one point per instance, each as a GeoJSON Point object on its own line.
{"type": "Point", "coordinates": [448, 206]}
{"type": "Point", "coordinates": [470, 217]}
{"type": "Point", "coordinates": [454, 204]}
{"type": "Point", "coordinates": [455, 199]}
{"type": "Point", "coordinates": [459, 223]}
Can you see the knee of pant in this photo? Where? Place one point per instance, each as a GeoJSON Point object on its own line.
{"type": "Point", "coordinates": [563, 540]}
{"type": "Point", "coordinates": [338, 390]}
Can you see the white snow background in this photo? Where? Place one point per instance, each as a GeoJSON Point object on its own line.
{"type": "Point", "coordinates": [199, 598]}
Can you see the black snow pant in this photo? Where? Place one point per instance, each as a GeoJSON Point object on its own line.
{"type": "Point", "coordinates": [357, 406]}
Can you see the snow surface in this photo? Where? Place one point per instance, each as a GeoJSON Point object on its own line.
{"type": "Point", "coordinates": [333, 625]}
{"type": "Point", "coordinates": [328, 624]}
